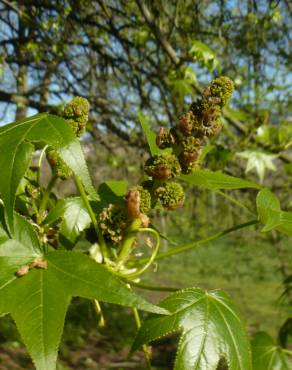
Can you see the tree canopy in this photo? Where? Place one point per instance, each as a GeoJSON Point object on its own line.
{"type": "Point", "coordinates": [131, 56]}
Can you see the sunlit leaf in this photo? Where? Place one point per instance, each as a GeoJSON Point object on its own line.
{"type": "Point", "coordinates": [210, 329]}
{"type": "Point", "coordinates": [267, 355]}
{"type": "Point", "coordinates": [216, 180]}
{"type": "Point", "coordinates": [38, 301]}
{"type": "Point", "coordinates": [17, 139]}
{"type": "Point", "coordinates": [270, 213]}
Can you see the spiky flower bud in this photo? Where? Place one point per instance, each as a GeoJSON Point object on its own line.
{"type": "Point", "coordinates": [186, 123]}
{"type": "Point", "coordinates": [188, 161]}
{"type": "Point", "coordinates": [143, 201]}
{"type": "Point", "coordinates": [165, 138]}
{"type": "Point", "coordinates": [191, 144]}
{"type": "Point", "coordinates": [76, 114]}
{"type": "Point", "coordinates": [221, 88]}
{"type": "Point", "coordinates": [58, 166]}
{"type": "Point", "coordinates": [113, 223]}
{"type": "Point", "coordinates": [208, 122]}
{"type": "Point", "coordinates": [190, 153]}
{"type": "Point", "coordinates": [163, 167]}
{"type": "Point", "coordinates": [171, 195]}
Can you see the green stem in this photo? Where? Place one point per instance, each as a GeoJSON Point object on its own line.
{"type": "Point", "coordinates": [99, 313]}
{"type": "Point", "coordinates": [100, 238]}
{"type": "Point", "coordinates": [234, 201]}
{"type": "Point", "coordinates": [155, 288]}
{"type": "Point", "coordinates": [152, 257]}
{"type": "Point", "coordinates": [128, 241]}
{"type": "Point", "coordinates": [287, 351]}
{"type": "Point", "coordinates": [189, 246]}
{"type": "Point", "coordinates": [45, 199]}
{"type": "Point", "coordinates": [40, 164]}
{"type": "Point", "coordinates": [288, 145]}
{"type": "Point", "coordinates": [145, 347]}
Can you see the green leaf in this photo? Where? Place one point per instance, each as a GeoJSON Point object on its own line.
{"type": "Point", "coordinates": [39, 300]}
{"type": "Point", "coordinates": [16, 153]}
{"type": "Point", "coordinates": [216, 180]}
{"type": "Point", "coordinates": [266, 355]}
{"type": "Point", "coordinates": [74, 215]}
{"type": "Point", "coordinates": [112, 192]}
{"type": "Point", "coordinates": [202, 53]}
{"type": "Point", "coordinates": [285, 225]}
{"type": "Point", "coordinates": [150, 137]}
{"type": "Point", "coordinates": [210, 330]}
{"type": "Point", "coordinates": [270, 213]}
{"type": "Point", "coordinates": [181, 87]}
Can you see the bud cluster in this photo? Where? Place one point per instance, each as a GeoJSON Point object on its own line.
{"type": "Point", "coordinates": [185, 142]}
{"type": "Point", "coordinates": [200, 122]}
{"type": "Point", "coordinates": [76, 115]}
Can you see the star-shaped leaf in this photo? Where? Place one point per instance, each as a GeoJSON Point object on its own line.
{"type": "Point", "coordinates": [267, 355]}
{"type": "Point", "coordinates": [210, 327]}
{"type": "Point", "coordinates": [270, 213]}
{"type": "Point", "coordinates": [38, 301]}
{"type": "Point", "coordinates": [258, 161]}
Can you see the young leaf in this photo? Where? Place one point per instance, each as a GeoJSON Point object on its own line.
{"type": "Point", "coordinates": [74, 217]}
{"type": "Point", "coordinates": [270, 214]}
{"type": "Point", "coordinates": [202, 53]}
{"type": "Point", "coordinates": [150, 137]}
{"type": "Point", "coordinates": [39, 300]}
{"type": "Point", "coordinates": [285, 225]}
{"type": "Point", "coordinates": [210, 330]}
{"type": "Point", "coordinates": [258, 161]}
{"type": "Point", "coordinates": [112, 191]}
{"type": "Point", "coordinates": [216, 180]}
{"type": "Point", "coordinates": [266, 355]}
{"type": "Point", "coordinates": [16, 153]}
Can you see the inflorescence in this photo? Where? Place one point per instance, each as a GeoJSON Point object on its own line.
{"type": "Point", "coordinates": [183, 145]}
{"type": "Point", "coordinates": [181, 148]}
{"type": "Point", "coordinates": [76, 115]}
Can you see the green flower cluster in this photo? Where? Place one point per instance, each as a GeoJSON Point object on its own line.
{"type": "Point", "coordinates": [171, 195]}
{"type": "Point", "coordinates": [163, 167]}
{"type": "Point", "coordinates": [58, 166]}
{"type": "Point", "coordinates": [144, 198]}
{"type": "Point", "coordinates": [76, 115]}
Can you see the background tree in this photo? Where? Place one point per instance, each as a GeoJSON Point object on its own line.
{"type": "Point", "coordinates": [126, 56]}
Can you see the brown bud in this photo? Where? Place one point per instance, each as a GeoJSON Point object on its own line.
{"type": "Point", "coordinates": [22, 271]}
{"type": "Point", "coordinates": [186, 124]}
{"type": "Point", "coordinates": [162, 172]}
{"type": "Point", "coordinates": [133, 204]}
{"type": "Point", "coordinates": [39, 263]}
{"type": "Point", "coordinates": [165, 138]}
{"type": "Point", "coordinates": [189, 157]}
{"type": "Point", "coordinates": [208, 116]}
{"type": "Point", "coordinates": [144, 220]}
